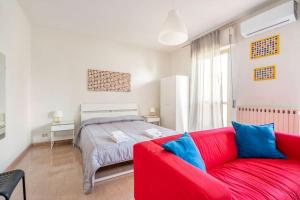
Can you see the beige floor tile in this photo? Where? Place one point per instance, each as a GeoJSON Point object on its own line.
{"type": "Point", "coordinates": [57, 174]}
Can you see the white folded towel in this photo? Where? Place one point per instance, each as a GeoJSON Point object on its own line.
{"type": "Point", "coordinates": [153, 133]}
{"type": "Point", "coordinates": [118, 136]}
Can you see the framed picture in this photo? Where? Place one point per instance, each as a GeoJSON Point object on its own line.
{"type": "Point", "coordinates": [265, 73]}
{"type": "Point", "coordinates": [109, 81]}
{"type": "Point", "coordinates": [265, 47]}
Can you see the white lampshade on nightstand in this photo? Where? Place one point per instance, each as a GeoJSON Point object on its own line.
{"type": "Point", "coordinates": [152, 111]}
{"type": "Point", "coordinates": [57, 116]}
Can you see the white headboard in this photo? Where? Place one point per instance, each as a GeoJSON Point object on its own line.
{"type": "Point", "coordinates": [88, 111]}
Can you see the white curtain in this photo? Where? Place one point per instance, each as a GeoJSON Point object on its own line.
{"type": "Point", "coordinates": [206, 109]}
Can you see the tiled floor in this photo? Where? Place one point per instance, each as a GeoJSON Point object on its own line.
{"type": "Point", "coordinates": [57, 174]}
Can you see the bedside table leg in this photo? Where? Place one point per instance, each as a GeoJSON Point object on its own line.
{"type": "Point", "coordinates": [51, 139]}
{"type": "Point", "coordinates": [73, 141]}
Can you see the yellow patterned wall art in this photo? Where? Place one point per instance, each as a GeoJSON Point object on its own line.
{"type": "Point", "coordinates": [266, 47]}
{"type": "Point", "coordinates": [265, 73]}
{"type": "Point", "coordinates": [108, 81]}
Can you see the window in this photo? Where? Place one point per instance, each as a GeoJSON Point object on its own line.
{"type": "Point", "coordinates": [209, 87]}
{"type": "Point", "coordinates": [224, 65]}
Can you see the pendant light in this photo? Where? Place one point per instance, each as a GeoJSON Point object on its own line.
{"type": "Point", "coordinates": [173, 31]}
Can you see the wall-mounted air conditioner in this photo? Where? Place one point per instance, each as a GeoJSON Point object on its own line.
{"type": "Point", "coordinates": [281, 15]}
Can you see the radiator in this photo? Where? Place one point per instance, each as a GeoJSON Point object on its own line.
{"type": "Point", "coordinates": [285, 120]}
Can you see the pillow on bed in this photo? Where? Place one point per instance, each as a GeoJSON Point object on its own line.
{"type": "Point", "coordinates": [185, 148]}
{"type": "Point", "coordinates": [105, 120]}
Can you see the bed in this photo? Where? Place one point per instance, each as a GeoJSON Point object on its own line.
{"type": "Point", "coordinates": [98, 149]}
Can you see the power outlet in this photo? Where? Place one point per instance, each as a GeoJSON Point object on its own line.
{"type": "Point", "coordinates": [45, 135]}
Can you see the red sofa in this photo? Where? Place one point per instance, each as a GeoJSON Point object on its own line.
{"type": "Point", "coordinates": [160, 175]}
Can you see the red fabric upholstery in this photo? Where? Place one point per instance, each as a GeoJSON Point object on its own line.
{"type": "Point", "coordinates": [289, 145]}
{"type": "Point", "coordinates": [216, 146]}
{"type": "Point", "coordinates": [161, 175]}
{"type": "Point", "coordinates": [260, 178]}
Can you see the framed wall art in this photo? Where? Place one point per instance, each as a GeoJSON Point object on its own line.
{"type": "Point", "coordinates": [109, 81]}
{"type": "Point", "coordinates": [265, 47]}
{"type": "Point", "coordinates": [265, 73]}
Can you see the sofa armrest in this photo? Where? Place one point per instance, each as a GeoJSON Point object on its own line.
{"type": "Point", "coordinates": [161, 175]}
{"type": "Point", "coordinates": [289, 145]}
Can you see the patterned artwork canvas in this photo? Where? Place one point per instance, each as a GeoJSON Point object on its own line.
{"type": "Point", "coordinates": [108, 81]}
{"type": "Point", "coordinates": [265, 47]}
{"type": "Point", "coordinates": [265, 73]}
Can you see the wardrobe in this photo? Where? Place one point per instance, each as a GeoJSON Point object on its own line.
{"type": "Point", "coordinates": [174, 102]}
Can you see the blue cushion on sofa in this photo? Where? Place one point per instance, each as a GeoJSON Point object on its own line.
{"type": "Point", "coordinates": [185, 148]}
{"type": "Point", "coordinates": [256, 141]}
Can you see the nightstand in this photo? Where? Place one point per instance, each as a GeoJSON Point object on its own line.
{"type": "Point", "coordinates": [153, 119]}
{"type": "Point", "coordinates": [56, 132]}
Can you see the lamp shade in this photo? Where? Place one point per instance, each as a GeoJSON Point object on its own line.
{"type": "Point", "coordinates": [152, 111]}
{"type": "Point", "coordinates": [58, 114]}
{"type": "Point", "coordinates": [173, 31]}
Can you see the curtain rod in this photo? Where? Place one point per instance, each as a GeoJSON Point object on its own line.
{"type": "Point", "coordinates": [236, 20]}
{"type": "Point", "coordinates": [221, 27]}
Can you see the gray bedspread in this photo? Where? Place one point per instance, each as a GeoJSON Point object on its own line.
{"type": "Point", "coordinates": [99, 150]}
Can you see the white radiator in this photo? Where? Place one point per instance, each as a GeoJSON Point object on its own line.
{"type": "Point", "coordinates": [285, 120]}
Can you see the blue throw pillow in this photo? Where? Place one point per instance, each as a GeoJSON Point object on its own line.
{"type": "Point", "coordinates": [185, 148]}
{"type": "Point", "coordinates": [256, 141]}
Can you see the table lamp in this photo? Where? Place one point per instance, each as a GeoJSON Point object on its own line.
{"type": "Point", "coordinates": [57, 116]}
{"type": "Point", "coordinates": [152, 111]}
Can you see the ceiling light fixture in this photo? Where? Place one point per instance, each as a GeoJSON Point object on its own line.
{"type": "Point", "coordinates": [173, 31]}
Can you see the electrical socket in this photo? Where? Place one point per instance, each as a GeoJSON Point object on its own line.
{"type": "Point", "coordinates": [45, 135]}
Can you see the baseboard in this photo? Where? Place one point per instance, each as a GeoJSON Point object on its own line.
{"type": "Point", "coordinates": [36, 144]}
{"type": "Point", "coordinates": [47, 143]}
{"type": "Point", "coordinates": [12, 165]}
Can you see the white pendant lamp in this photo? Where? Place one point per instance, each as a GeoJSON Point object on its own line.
{"type": "Point", "coordinates": [173, 31]}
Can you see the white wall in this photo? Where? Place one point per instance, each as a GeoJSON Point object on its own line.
{"type": "Point", "coordinates": [282, 92]}
{"type": "Point", "coordinates": [181, 61]}
{"type": "Point", "coordinates": [2, 85]}
{"type": "Point", "coordinates": [59, 74]}
{"type": "Point", "coordinates": [15, 44]}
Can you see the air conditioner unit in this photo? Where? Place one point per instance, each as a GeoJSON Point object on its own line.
{"type": "Point", "coordinates": [281, 15]}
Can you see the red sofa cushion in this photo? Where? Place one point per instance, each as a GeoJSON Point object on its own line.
{"type": "Point", "coordinates": [216, 146]}
{"type": "Point", "coordinates": [260, 178]}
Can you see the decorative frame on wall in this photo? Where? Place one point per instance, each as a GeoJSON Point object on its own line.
{"type": "Point", "coordinates": [265, 47]}
{"type": "Point", "coordinates": [264, 73]}
{"type": "Point", "coordinates": [108, 81]}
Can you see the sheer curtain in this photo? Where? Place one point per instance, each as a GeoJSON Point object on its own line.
{"type": "Point", "coordinates": [206, 110]}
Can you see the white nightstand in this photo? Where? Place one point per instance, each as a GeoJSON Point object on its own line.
{"type": "Point", "coordinates": [59, 127]}
{"type": "Point", "coordinates": [152, 119]}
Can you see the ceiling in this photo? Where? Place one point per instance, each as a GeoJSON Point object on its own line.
{"type": "Point", "coordinates": [134, 21]}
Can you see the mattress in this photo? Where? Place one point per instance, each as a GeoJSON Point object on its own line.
{"type": "Point", "coordinates": [99, 150]}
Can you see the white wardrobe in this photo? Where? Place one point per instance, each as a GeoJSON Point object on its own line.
{"type": "Point", "coordinates": [174, 101]}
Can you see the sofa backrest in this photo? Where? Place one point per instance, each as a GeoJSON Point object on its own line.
{"type": "Point", "coordinates": [216, 146]}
